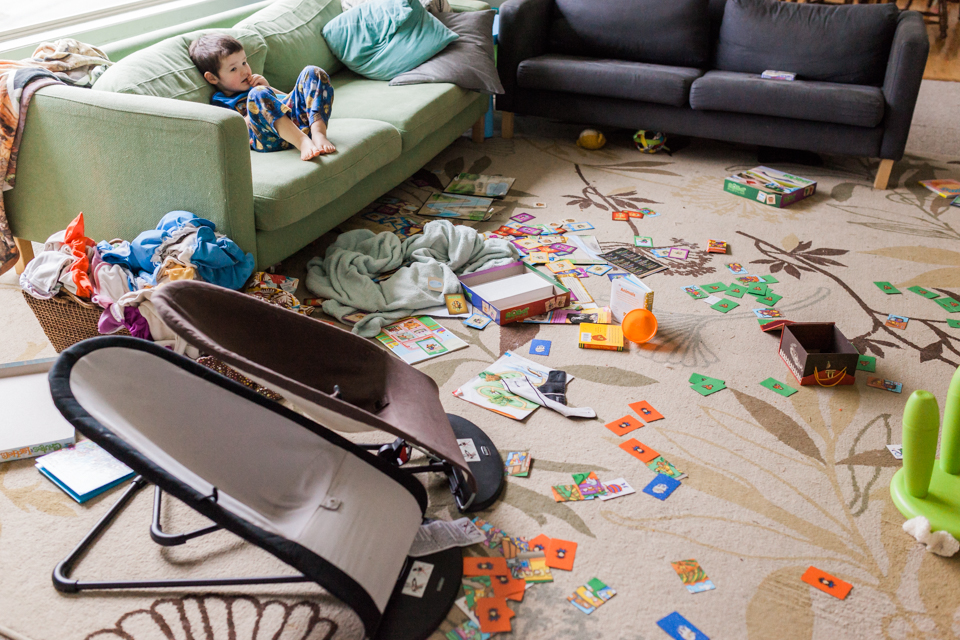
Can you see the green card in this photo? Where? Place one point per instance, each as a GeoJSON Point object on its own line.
{"type": "Point", "coordinates": [707, 388]}
{"type": "Point", "coordinates": [699, 378]}
{"type": "Point", "coordinates": [775, 385]}
{"type": "Point", "coordinates": [642, 241]}
{"type": "Point", "coordinates": [736, 290]}
{"type": "Point", "coordinates": [887, 288]}
{"type": "Point", "coordinates": [953, 324]}
{"type": "Point", "coordinates": [949, 304]}
{"type": "Point", "coordinates": [713, 288]}
{"type": "Point", "coordinates": [769, 279]}
{"type": "Point", "coordinates": [867, 363]}
{"type": "Point", "coordinates": [758, 289]}
{"type": "Point", "coordinates": [725, 305]}
{"type": "Point", "coordinates": [920, 291]}
{"type": "Point", "coordinates": [770, 299]}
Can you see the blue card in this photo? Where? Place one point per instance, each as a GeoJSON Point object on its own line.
{"type": "Point", "coordinates": [540, 348]}
{"type": "Point", "coordinates": [662, 486]}
{"type": "Point", "coordinates": [679, 628]}
{"type": "Point", "coordinates": [477, 321]}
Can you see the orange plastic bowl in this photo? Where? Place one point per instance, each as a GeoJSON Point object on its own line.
{"type": "Point", "coordinates": [639, 326]}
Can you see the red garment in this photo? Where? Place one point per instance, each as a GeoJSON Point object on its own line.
{"type": "Point", "coordinates": [78, 243]}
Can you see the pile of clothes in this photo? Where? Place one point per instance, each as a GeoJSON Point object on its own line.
{"type": "Point", "coordinates": [122, 276]}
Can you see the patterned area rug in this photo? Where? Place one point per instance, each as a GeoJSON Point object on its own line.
{"type": "Point", "coordinates": [774, 484]}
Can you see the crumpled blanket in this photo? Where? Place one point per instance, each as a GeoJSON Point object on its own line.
{"type": "Point", "coordinates": [441, 253]}
{"type": "Point", "coordinates": [65, 60]}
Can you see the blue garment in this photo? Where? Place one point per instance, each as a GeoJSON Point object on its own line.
{"type": "Point", "coordinates": [216, 258]}
{"type": "Point", "coordinates": [310, 100]}
{"type": "Point", "coordinates": [237, 102]}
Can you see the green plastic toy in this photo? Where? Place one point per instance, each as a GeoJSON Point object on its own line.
{"type": "Point", "coordinates": [923, 487]}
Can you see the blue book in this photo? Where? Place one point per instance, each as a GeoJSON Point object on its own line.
{"type": "Point", "coordinates": [83, 470]}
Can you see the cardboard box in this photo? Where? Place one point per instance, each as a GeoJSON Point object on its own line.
{"type": "Point", "coordinates": [818, 353]}
{"type": "Point", "coordinates": [558, 297]}
{"type": "Point", "coordinates": [769, 186]}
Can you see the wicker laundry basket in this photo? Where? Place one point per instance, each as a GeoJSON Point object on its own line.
{"type": "Point", "coordinates": [67, 319]}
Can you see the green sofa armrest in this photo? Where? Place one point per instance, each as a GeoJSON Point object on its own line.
{"type": "Point", "coordinates": [125, 161]}
{"type": "Point", "coordinates": [459, 6]}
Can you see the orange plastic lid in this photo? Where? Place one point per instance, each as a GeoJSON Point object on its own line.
{"type": "Point", "coordinates": [639, 325]}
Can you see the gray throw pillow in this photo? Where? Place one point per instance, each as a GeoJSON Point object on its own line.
{"type": "Point", "coordinates": [467, 61]}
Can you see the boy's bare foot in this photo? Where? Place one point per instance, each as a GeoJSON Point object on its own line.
{"type": "Point", "coordinates": [308, 149]}
{"type": "Point", "coordinates": [322, 143]}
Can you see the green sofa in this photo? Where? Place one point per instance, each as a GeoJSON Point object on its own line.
{"type": "Point", "coordinates": [145, 140]}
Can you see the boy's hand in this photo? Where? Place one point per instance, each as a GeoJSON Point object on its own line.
{"type": "Point", "coordinates": [256, 80]}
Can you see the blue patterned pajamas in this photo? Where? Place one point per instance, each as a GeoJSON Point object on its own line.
{"type": "Point", "coordinates": [310, 100]}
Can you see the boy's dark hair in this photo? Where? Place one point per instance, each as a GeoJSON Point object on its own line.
{"type": "Point", "coordinates": [208, 50]}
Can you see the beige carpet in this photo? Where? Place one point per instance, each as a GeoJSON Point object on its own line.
{"type": "Point", "coordinates": [775, 484]}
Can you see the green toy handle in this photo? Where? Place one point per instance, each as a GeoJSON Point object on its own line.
{"type": "Point", "coordinates": [950, 447]}
{"type": "Point", "coordinates": [921, 425]}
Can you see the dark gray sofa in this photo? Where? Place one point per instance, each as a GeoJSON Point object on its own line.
{"type": "Point", "coordinates": [692, 67]}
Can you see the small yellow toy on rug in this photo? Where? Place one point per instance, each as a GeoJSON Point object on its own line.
{"type": "Point", "coordinates": [591, 139]}
{"type": "Point", "coordinates": [650, 141]}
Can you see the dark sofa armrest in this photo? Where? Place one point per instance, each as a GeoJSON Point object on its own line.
{"type": "Point", "coordinates": [901, 85]}
{"type": "Point", "coordinates": [523, 34]}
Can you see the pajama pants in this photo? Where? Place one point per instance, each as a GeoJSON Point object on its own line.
{"type": "Point", "coordinates": [309, 101]}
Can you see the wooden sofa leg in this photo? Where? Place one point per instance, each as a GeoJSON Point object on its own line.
{"type": "Point", "coordinates": [478, 127]}
{"type": "Point", "coordinates": [883, 174]}
{"type": "Point", "coordinates": [506, 125]}
{"type": "Point", "coordinates": [26, 254]}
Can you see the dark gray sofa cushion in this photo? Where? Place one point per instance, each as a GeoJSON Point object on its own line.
{"type": "Point", "coordinates": [857, 105]}
{"type": "Point", "coordinates": [608, 78]}
{"type": "Point", "coordinates": [670, 32]}
{"type": "Point", "coordinates": [831, 43]}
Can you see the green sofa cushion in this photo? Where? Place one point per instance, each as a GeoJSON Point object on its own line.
{"type": "Point", "coordinates": [292, 30]}
{"type": "Point", "coordinates": [165, 69]}
{"type": "Point", "coordinates": [287, 189]}
{"type": "Point", "coordinates": [414, 110]}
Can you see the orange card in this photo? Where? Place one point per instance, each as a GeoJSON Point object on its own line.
{"type": "Point", "coordinates": [494, 614]}
{"type": "Point", "coordinates": [540, 543]}
{"type": "Point", "coordinates": [634, 214]}
{"type": "Point", "coordinates": [496, 566]}
{"type": "Point", "coordinates": [561, 554]}
{"type": "Point", "coordinates": [623, 426]}
{"type": "Point", "coordinates": [645, 411]}
{"type": "Point", "coordinates": [560, 265]}
{"type": "Point", "coordinates": [826, 583]}
{"type": "Point", "coordinates": [621, 215]}
{"type": "Point", "coordinates": [508, 587]}
{"type": "Point", "coordinates": [638, 450]}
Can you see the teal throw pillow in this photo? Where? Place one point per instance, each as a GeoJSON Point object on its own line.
{"type": "Point", "coordinates": [381, 39]}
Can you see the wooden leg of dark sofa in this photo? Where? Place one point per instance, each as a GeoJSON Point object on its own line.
{"type": "Point", "coordinates": [883, 174]}
{"type": "Point", "coordinates": [26, 254]}
{"type": "Point", "coordinates": [506, 125]}
{"type": "Point", "coordinates": [478, 130]}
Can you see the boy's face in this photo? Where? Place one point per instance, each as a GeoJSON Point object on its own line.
{"type": "Point", "coordinates": [234, 74]}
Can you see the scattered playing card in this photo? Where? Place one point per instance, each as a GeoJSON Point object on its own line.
{"type": "Point", "coordinates": [624, 425]}
{"type": "Point", "coordinates": [708, 388]}
{"type": "Point", "coordinates": [635, 214]}
{"type": "Point", "coordinates": [589, 485]}
{"type": "Point", "coordinates": [650, 213]}
{"type": "Point", "coordinates": [416, 582]}
{"type": "Point", "coordinates": [887, 288]}
{"type": "Point", "coordinates": [566, 493]}
{"type": "Point", "coordinates": [638, 450]}
{"type": "Point", "coordinates": [485, 566]}
{"type": "Point", "coordinates": [896, 450]}
{"type": "Point", "coordinates": [758, 289]}
{"type": "Point", "coordinates": [920, 291]}
{"type": "Point", "coordinates": [771, 299]}
{"type": "Point", "coordinates": [886, 385]}
{"type": "Point", "coordinates": [456, 303]}
{"type": "Point", "coordinates": [953, 324]}
{"type": "Point", "coordinates": [539, 205]}
{"type": "Point", "coordinates": [826, 583]}
{"type": "Point", "coordinates": [897, 322]}
{"type": "Point", "coordinates": [560, 265]}
{"type": "Point", "coordinates": [539, 543]}
{"type": "Point", "coordinates": [768, 279]}
{"type": "Point", "coordinates": [736, 290]}
{"type": "Point", "coordinates": [661, 487]}
{"type": "Point", "coordinates": [560, 554]}
{"type": "Point", "coordinates": [679, 628]}
{"type": "Point", "coordinates": [736, 268]}
{"type": "Point", "coordinates": [522, 217]}
{"type": "Point", "coordinates": [477, 321]}
{"type": "Point", "coordinates": [642, 241]}
{"type": "Point", "coordinates": [591, 595]}
{"type": "Point", "coordinates": [540, 348]}
{"type": "Point", "coordinates": [767, 313]}
{"type": "Point", "coordinates": [724, 306]}
{"type": "Point", "coordinates": [714, 287]}
{"type": "Point", "coordinates": [599, 269]}
{"type": "Point", "coordinates": [867, 363]}
{"type": "Point", "coordinates": [749, 279]}
{"type": "Point", "coordinates": [616, 488]}
{"type": "Point", "coordinates": [710, 300]}
{"type": "Point", "coordinates": [716, 246]}
{"type": "Point", "coordinates": [661, 466]}
{"type": "Point", "coordinates": [695, 292]}
{"type": "Point", "coordinates": [517, 464]}
{"type": "Point", "coordinates": [469, 450]}
{"type": "Point", "coordinates": [645, 411]}
{"type": "Point", "coordinates": [775, 385]}
{"type": "Point", "coordinates": [579, 226]}
{"type": "Point", "coordinates": [699, 378]}
{"type": "Point", "coordinates": [494, 615]}
{"type": "Point", "coordinates": [621, 215]}
{"type": "Point", "coordinates": [678, 253]}
{"type": "Point", "coordinates": [692, 575]}
{"type": "Point", "coordinates": [949, 304]}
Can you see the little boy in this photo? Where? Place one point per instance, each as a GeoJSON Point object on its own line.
{"type": "Point", "coordinates": [275, 121]}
